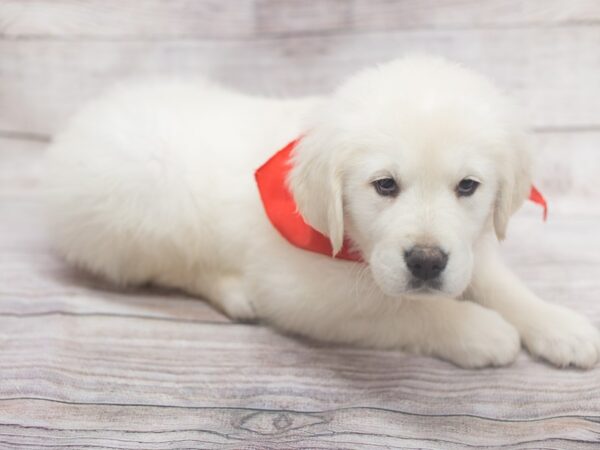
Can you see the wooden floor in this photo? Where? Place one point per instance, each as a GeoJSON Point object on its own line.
{"type": "Point", "coordinates": [86, 365]}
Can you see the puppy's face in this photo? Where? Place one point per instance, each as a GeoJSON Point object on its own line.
{"type": "Point", "coordinates": [414, 170]}
{"type": "Point", "coordinates": [417, 200]}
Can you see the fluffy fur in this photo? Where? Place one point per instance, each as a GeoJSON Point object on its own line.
{"type": "Point", "coordinates": [154, 184]}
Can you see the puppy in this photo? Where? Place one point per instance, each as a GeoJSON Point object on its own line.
{"type": "Point", "coordinates": [413, 168]}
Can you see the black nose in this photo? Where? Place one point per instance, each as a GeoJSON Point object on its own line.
{"type": "Point", "coordinates": [426, 263]}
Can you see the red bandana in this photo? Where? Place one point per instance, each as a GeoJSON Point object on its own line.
{"type": "Point", "coordinates": [281, 208]}
{"type": "Point", "coordinates": [536, 197]}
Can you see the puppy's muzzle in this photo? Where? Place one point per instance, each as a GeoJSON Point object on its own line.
{"type": "Point", "coordinates": [426, 263]}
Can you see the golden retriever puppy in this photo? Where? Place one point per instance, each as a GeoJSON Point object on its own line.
{"type": "Point", "coordinates": [409, 173]}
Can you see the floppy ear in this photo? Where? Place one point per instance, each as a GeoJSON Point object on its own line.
{"type": "Point", "coordinates": [316, 184]}
{"type": "Point", "coordinates": [514, 185]}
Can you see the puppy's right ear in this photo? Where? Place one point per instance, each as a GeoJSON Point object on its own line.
{"type": "Point", "coordinates": [315, 181]}
{"type": "Point", "coordinates": [514, 184]}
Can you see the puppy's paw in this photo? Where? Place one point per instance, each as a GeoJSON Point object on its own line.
{"type": "Point", "coordinates": [562, 337]}
{"type": "Point", "coordinates": [228, 294]}
{"type": "Point", "coordinates": [238, 307]}
{"type": "Point", "coordinates": [483, 338]}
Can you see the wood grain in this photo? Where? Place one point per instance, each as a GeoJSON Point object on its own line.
{"type": "Point", "coordinates": [234, 428]}
{"type": "Point", "coordinates": [114, 19]}
{"type": "Point", "coordinates": [392, 14]}
{"type": "Point", "coordinates": [214, 19]}
{"type": "Point", "coordinates": [292, 17]}
{"type": "Point", "coordinates": [43, 82]}
{"type": "Point", "coordinates": [84, 364]}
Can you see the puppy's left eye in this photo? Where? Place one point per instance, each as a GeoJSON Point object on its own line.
{"type": "Point", "coordinates": [466, 187]}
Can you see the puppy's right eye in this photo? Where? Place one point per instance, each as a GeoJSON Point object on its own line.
{"type": "Point", "coordinates": [467, 187]}
{"type": "Point", "coordinates": [386, 187]}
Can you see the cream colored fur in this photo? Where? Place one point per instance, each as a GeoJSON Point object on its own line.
{"type": "Point", "coordinates": [153, 183]}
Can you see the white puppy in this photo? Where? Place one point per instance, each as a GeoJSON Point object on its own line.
{"type": "Point", "coordinates": [418, 163]}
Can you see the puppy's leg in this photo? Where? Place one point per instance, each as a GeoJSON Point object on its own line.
{"type": "Point", "coordinates": [458, 331]}
{"type": "Point", "coordinates": [232, 298]}
{"type": "Point", "coordinates": [549, 331]}
{"type": "Point", "coordinates": [226, 293]}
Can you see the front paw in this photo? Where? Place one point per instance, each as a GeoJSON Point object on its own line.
{"type": "Point", "coordinates": [482, 338]}
{"type": "Point", "coordinates": [562, 337]}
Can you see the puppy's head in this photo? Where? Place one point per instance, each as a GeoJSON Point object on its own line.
{"type": "Point", "coordinates": [414, 161]}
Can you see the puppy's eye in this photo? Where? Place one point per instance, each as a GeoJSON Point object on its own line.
{"type": "Point", "coordinates": [386, 187]}
{"type": "Point", "coordinates": [466, 187]}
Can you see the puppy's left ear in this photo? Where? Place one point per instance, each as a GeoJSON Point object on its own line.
{"type": "Point", "coordinates": [515, 183]}
{"type": "Point", "coordinates": [316, 184]}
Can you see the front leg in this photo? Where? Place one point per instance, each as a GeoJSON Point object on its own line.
{"type": "Point", "coordinates": [464, 333]}
{"type": "Point", "coordinates": [334, 308]}
{"type": "Point", "coordinates": [552, 332]}
{"type": "Point", "coordinates": [461, 332]}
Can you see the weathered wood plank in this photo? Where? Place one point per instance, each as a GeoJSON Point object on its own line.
{"type": "Point", "coordinates": [291, 17]}
{"type": "Point", "coordinates": [391, 14]}
{"type": "Point", "coordinates": [43, 82]}
{"type": "Point", "coordinates": [294, 17]}
{"type": "Point", "coordinates": [78, 425]}
{"type": "Point", "coordinates": [114, 19]}
{"type": "Point", "coordinates": [568, 163]}
{"type": "Point", "coordinates": [21, 165]}
{"type": "Point", "coordinates": [128, 361]}
{"type": "Point", "coordinates": [214, 19]}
